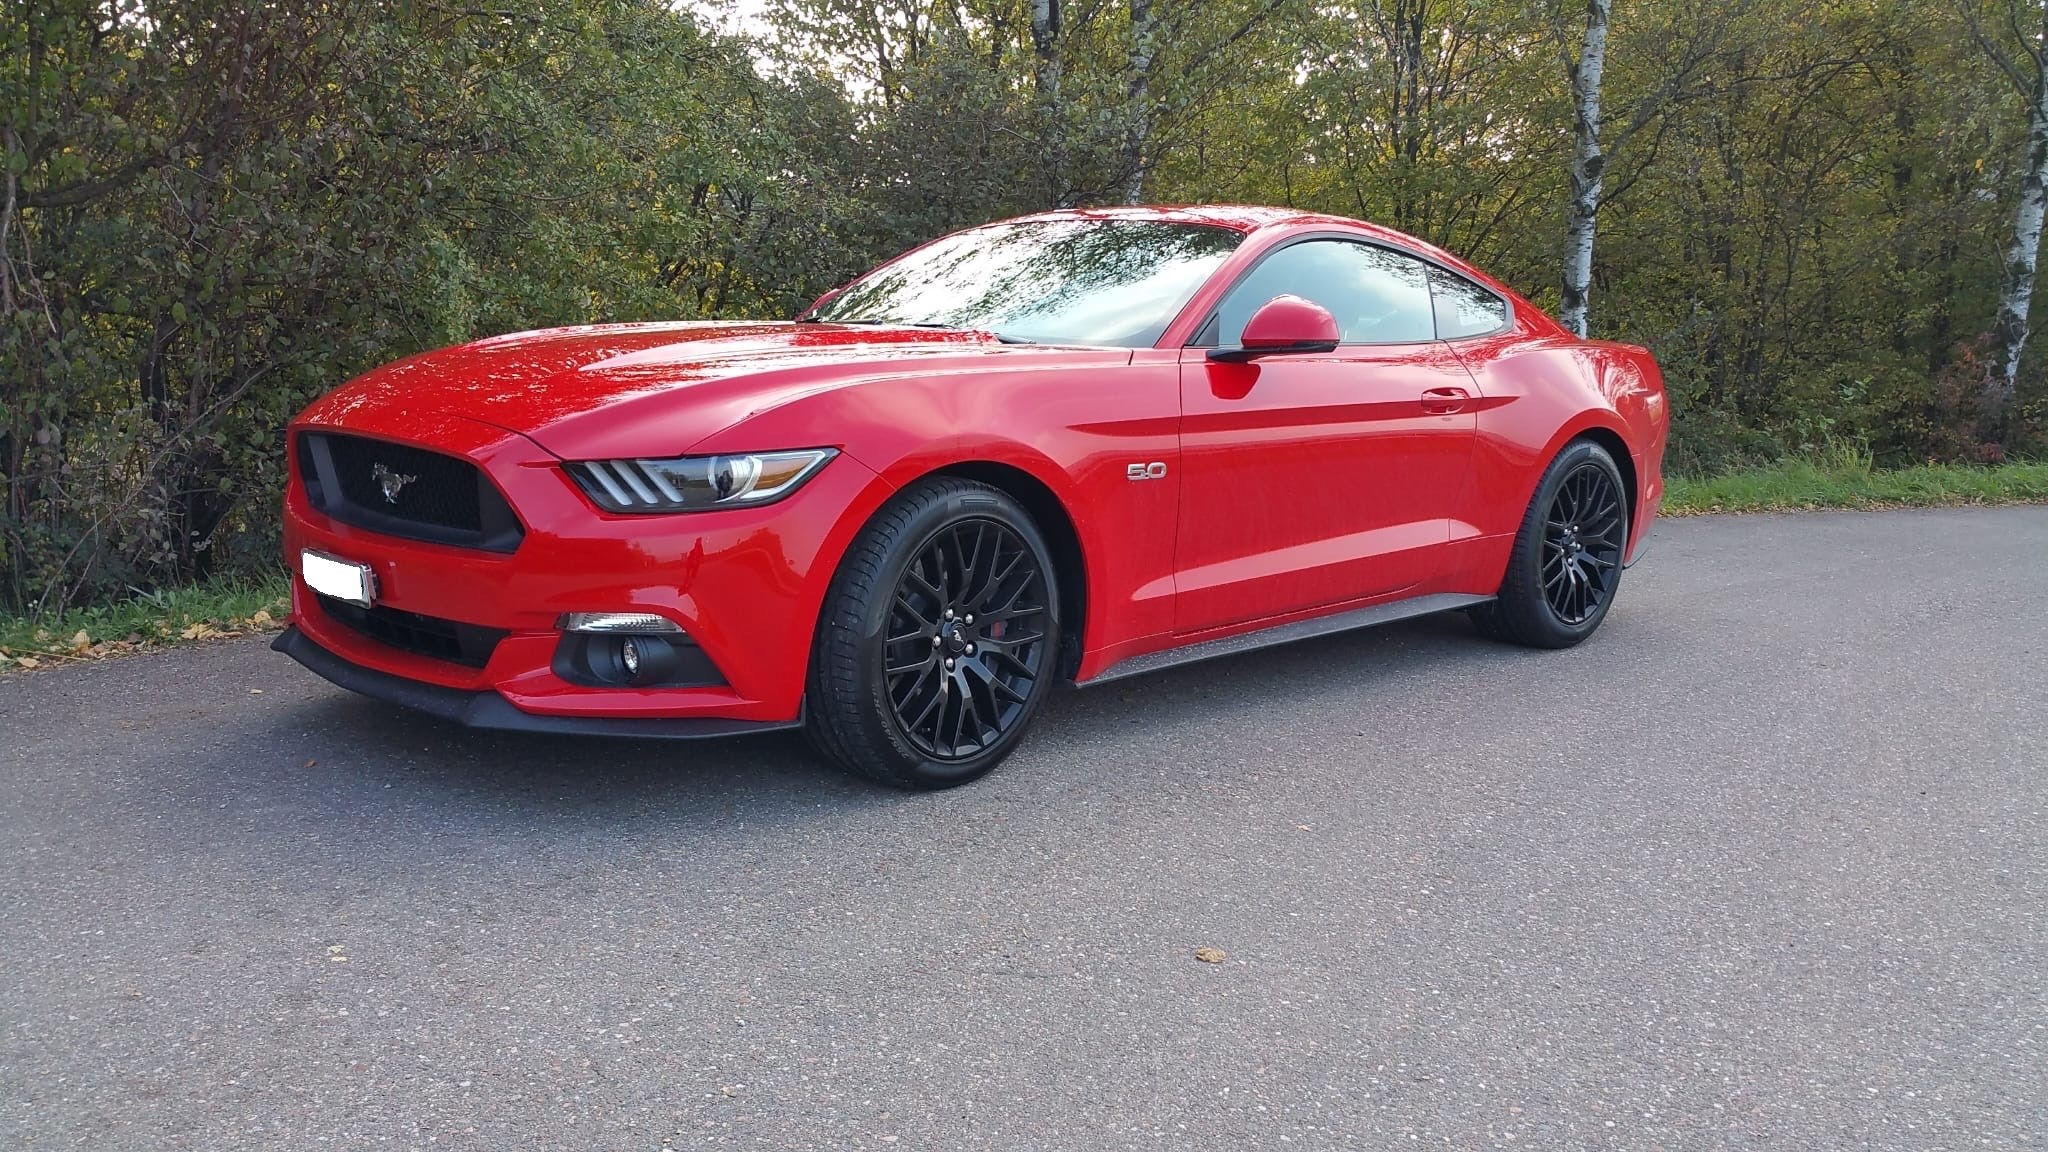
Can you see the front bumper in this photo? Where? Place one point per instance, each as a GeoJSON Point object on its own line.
{"type": "Point", "coordinates": [490, 710]}
{"type": "Point", "coordinates": [744, 584]}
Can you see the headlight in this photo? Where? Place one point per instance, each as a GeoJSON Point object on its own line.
{"type": "Point", "coordinates": [692, 483]}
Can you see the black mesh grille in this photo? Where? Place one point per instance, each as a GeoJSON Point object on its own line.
{"type": "Point", "coordinates": [428, 636]}
{"type": "Point", "coordinates": [404, 491]}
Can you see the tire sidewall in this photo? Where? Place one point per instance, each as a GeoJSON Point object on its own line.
{"type": "Point", "coordinates": [1568, 461]}
{"type": "Point", "coordinates": [877, 712]}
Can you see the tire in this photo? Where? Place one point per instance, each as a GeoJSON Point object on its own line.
{"type": "Point", "coordinates": [899, 691]}
{"type": "Point", "coordinates": [1565, 567]}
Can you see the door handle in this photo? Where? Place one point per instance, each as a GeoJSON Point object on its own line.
{"type": "Point", "coordinates": [1440, 401]}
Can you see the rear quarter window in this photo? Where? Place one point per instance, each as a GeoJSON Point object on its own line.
{"type": "Point", "coordinates": [1464, 308]}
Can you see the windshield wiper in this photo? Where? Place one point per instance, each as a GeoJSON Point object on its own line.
{"type": "Point", "coordinates": [932, 324]}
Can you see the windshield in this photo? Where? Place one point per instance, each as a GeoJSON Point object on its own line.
{"type": "Point", "coordinates": [1109, 282]}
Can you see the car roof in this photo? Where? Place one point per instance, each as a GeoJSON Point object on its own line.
{"type": "Point", "coordinates": [1240, 217]}
{"type": "Point", "coordinates": [1252, 218]}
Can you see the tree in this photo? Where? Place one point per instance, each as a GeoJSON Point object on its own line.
{"type": "Point", "coordinates": [1045, 78]}
{"type": "Point", "coordinates": [2028, 72]}
{"type": "Point", "coordinates": [1589, 164]}
{"type": "Point", "coordinates": [1137, 99]}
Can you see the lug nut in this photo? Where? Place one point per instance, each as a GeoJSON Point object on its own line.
{"type": "Point", "coordinates": [970, 649]}
{"type": "Point", "coordinates": [949, 613]}
{"type": "Point", "coordinates": [949, 661]}
{"type": "Point", "coordinates": [935, 641]}
{"type": "Point", "coordinates": [970, 617]}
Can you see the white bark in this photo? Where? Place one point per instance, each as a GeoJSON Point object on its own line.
{"type": "Point", "coordinates": [1588, 166]}
{"type": "Point", "coordinates": [1138, 100]}
{"type": "Point", "coordinates": [2023, 257]}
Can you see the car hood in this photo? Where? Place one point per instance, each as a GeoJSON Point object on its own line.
{"type": "Point", "coordinates": [644, 389]}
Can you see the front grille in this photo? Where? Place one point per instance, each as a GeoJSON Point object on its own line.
{"type": "Point", "coordinates": [404, 491]}
{"type": "Point", "coordinates": [429, 636]}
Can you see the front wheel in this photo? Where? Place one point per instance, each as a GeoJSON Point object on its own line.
{"type": "Point", "coordinates": [936, 645]}
{"type": "Point", "coordinates": [1566, 563]}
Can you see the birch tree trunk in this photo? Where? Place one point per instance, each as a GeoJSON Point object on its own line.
{"type": "Point", "coordinates": [2024, 256]}
{"type": "Point", "coordinates": [1588, 165]}
{"type": "Point", "coordinates": [1046, 76]}
{"type": "Point", "coordinates": [1137, 100]}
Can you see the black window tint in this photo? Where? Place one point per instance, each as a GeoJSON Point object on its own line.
{"type": "Point", "coordinates": [1464, 308]}
{"type": "Point", "coordinates": [1378, 296]}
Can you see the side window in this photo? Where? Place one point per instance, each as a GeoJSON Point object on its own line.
{"type": "Point", "coordinates": [1378, 296]}
{"type": "Point", "coordinates": [1464, 308]}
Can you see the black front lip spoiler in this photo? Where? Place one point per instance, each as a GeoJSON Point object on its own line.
{"type": "Point", "coordinates": [490, 710]}
{"type": "Point", "coordinates": [1642, 549]}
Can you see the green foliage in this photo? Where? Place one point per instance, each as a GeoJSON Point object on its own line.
{"type": "Point", "coordinates": [213, 211]}
{"type": "Point", "coordinates": [216, 211]}
{"type": "Point", "coordinates": [1851, 482]}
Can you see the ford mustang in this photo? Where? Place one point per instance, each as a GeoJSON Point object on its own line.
{"type": "Point", "coordinates": [1064, 448]}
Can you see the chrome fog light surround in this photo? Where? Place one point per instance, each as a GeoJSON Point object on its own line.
{"type": "Point", "coordinates": [608, 622]}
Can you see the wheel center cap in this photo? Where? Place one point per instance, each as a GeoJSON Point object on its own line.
{"type": "Point", "coordinates": [956, 639]}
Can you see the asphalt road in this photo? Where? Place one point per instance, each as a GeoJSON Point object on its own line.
{"type": "Point", "coordinates": [1764, 865]}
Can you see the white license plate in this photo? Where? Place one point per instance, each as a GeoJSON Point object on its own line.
{"type": "Point", "coordinates": [341, 579]}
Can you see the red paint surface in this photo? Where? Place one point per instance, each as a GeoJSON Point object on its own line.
{"type": "Point", "coordinates": [1296, 484]}
{"type": "Point", "coordinates": [1290, 320]}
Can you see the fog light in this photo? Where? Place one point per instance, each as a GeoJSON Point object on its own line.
{"type": "Point", "coordinates": [633, 660]}
{"type": "Point", "coordinates": [636, 661]}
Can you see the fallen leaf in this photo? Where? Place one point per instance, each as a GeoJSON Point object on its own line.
{"type": "Point", "coordinates": [1208, 955]}
{"type": "Point", "coordinates": [261, 619]}
{"type": "Point", "coordinates": [309, 763]}
{"type": "Point", "coordinates": [29, 662]}
{"type": "Point", "coordinates": [81, 640]}
{"type": "Point", "coordinates": [255, 691]}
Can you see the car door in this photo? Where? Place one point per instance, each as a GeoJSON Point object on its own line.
{"type": "Point", "coordinates": [1311, 479]}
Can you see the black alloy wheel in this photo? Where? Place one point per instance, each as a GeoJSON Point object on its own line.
{"type": "Point", "coordinates": [938, 640]}
{"type": "Point", "coordinates": [1565, 566]}
{"type": "Point", "coordinates": [1582, 542]}
{"type": "Point", "coordinates": [966, 643]}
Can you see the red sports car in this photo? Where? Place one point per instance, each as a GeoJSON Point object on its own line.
{"type": "Point", "coordinates": [1068, 447]}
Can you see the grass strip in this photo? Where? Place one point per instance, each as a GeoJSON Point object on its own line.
{"type": "Point", "coordinates": [1799, 484]}
{"type": "Point", "coordinates": [149, 620]}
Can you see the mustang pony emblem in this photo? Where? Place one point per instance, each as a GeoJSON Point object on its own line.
{"type": "Point", "coordinates": [390, 483]}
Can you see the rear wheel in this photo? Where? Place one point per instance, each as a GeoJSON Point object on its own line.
{"type": "Point", "coordinates": [1566, 563]}
{"type": "Point", "coordinates": [937, 642]}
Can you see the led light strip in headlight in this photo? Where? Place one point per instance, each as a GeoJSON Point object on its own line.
{"type": "Point", "coordinates": [694, 483]}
